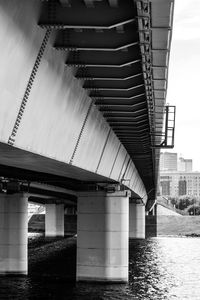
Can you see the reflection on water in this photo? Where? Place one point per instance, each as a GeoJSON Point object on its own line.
{"type": "Point", "coordinates": [166, 268]}
{"type": "Point", "coordinates": [160, 268]}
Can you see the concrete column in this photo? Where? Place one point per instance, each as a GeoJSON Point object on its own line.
{"type": "Point", "coordinates": [151, 224]}
{"type": "Point", "coordinates": [102, 236]}
{"type": "Point", "coordinates": [136, 220]}
{"type": "Point", "coordinates": [54, 220]}
{"type": "Point", "coordinates": [13, 234]}
{"type": "Point", "coordinates": [155, 210]}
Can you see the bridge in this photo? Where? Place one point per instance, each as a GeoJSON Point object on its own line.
{"type": "Point", "coordinates": [83, 101]}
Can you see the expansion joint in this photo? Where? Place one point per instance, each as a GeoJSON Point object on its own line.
{"type": "Point", "coordinates": [12, 137]}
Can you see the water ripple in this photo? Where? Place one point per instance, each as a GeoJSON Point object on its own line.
{"type": "Point", "coordinates": [160, 269]}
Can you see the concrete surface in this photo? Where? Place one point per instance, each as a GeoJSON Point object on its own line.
{"type": "Point", "coordinates": [54, 220]}
{"type": "Point", "coordinates": [102, 237]}
{"type": "Point", "coordinates": [13, 234]}
{"type": "Point", "coordinates": [136, 221]}
{"type": "Point", "coordinates": [50, 128]}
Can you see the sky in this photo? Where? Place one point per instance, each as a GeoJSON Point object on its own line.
{"type": "Point", "coordinates": [184, 79]}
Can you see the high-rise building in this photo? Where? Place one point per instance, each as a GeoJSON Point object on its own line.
{"type": "Point", "coordinates": [168, 161]}
{"type": "Point", "coordinates": [188, 165]}
{"type": "Point", "coordinates": [184, 165]}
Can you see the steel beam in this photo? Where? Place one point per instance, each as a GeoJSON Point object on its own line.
{"type": "Point", "coordinates": [121, 105]}
{"type": "Point", "coordinates": [109, 78]}
{"type": "Point", "coordinates": [76, 48]}
{"type": "Point", "coordinates": [54, 15]}
{"type": "Point", "coordinates": [117, 98]}
{"type": "Point", "coordinates": [114, 89]}
{"type": "Point", "coordinates": [81, 64]}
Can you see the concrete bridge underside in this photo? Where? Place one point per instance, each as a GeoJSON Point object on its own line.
{"type": "Point", "coordinates": [82, 94]}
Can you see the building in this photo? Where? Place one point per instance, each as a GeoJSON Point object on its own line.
{"type": "Point", "coordinates": [168, 161]}
{"type": "Point", "coordinates": [165, 186]}
{"type": "Point", "coordinates": [175, 184]}
{"type": "Point", "coordinates": [182, 187]}
{"type": "Point", "coordinates": [184, 165]}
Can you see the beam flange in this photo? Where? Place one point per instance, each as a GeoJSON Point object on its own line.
{"type": "Point", "coordinates": [109, 78]}
{"type": "Point", "coordinates": [114, 89]}
{"type": "Point", "coordinates": [84, 65]}
{"type": "Point", "coordinates": [117, 98]}
{"type": "Point", "coordinates": [82, 26]}
{"type": "Point", "coordinates": [76, 48]}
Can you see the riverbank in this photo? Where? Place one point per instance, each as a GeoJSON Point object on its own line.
{"type": "Point", "coordinates": [165, 225]}
{"type": "Point", "coordinates": [178, 226]}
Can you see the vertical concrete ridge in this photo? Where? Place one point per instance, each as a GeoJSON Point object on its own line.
{"type": "Point", "coordinates": [115, 159]}
{"type": "Point", "coordinates": [11, 139]}
{"type": "Point", "coordinates": [122, 166]}
{"type": "Point", "coordinates": [106, 141]}
{"type": "Point", "coordinates": [81, 132]}
{"type": "Point", "coordinates": [126, 171]}
{"type": "Point", "coordinates": [133, 170]}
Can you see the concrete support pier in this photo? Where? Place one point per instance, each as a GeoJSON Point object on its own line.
{"type": "Point", "coordinates": [136, 220]}
{"type": "Point", "coordinates": [102, 236]}
{"type": "Point", "coordinates": [54, 220]}
{"type": "Point", "coordinates": [13, 234]}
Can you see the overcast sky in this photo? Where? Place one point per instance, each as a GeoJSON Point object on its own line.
{"type": "Point", "coordinates": [184, 79]}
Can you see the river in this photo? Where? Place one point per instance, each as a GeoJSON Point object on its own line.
{"type": "Point", "coordinates": [160, 268]}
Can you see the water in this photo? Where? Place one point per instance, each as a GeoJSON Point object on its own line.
{"type": "Point", "coordinates": [160, 268]}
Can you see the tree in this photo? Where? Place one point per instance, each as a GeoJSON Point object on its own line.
{"type": "Point", "coordinates": [194, 210]}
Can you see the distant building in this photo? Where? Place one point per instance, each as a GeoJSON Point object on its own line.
{"type": "Point", "coordinates": [184, 165]}
{"type": "Point", "coordinates": [178, 183]}
{"type": "Point", "coordinates": [176, 176]}
{"type": "Point", "coordinates": [182, 187]}
{"type": "Point", "coordinates": [165, 186]}
{"type": "Point", "coordinates": [168, 161]}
